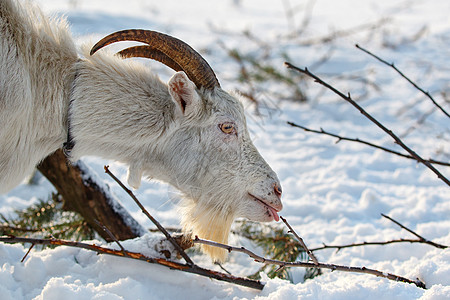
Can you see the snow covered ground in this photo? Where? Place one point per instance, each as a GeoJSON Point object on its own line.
{"type": "Point", "coordinates": [333, 193]}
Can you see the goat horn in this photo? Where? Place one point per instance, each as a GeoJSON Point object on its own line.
{"type": "Point", "coordinates": [149, 52]}
{"type": "Point", "coordinates": [191, 62]}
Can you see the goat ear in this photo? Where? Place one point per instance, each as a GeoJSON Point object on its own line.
{"type": "Point", "coordinates": [183, 92]}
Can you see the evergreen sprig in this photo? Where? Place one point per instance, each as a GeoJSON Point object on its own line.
{"type": "Point", "coordinates": [46, 219]}
{"type": "Point", "coordinates": [277, 244]}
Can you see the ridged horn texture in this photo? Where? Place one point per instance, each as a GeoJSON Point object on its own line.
{"type": "Point", "coordinates": [149, 52]}
{"type": "Point", "coordinates": [166, 49]}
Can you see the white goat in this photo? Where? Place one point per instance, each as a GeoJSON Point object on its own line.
{"type": "Point", "coordinates": [189, 133]}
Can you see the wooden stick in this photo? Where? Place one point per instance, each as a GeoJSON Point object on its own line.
{"type": "Point", "coordinates": [332, 267]}
{"type": "Point", "coordinates": [255, 284]}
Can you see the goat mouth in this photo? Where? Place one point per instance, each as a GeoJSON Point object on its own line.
{"type": "Point", "coordinates": [273, 212]}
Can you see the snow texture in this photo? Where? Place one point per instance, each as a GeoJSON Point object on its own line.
{"type": "Point", "coordinates": [333, 193]}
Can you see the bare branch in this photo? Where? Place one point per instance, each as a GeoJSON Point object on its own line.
{"type": "Point", "coordinates": [332, 267]}
{"type": "Point", "coordinates": [26, 254]}
{"type": "Point", "coordinates": [339, 247]}
{"type": "Point", "coordinates": [111, 235]}
{"type": "Point", "coordinates": [302, 243]}
{"type": "Point", "coordinates": [349, 99]}
{"type": "Point", "coordinates": [421, 238]}
{"type": "Point", "coordinates": [138, 256]}
{"type": "Point", "coordinates": [404, 76]}
{"type": "Point", "coordinates": [160, 227]}
{"type": "Point", "coordinates": [341, 138]}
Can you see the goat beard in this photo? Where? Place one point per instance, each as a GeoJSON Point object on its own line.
{"type": "Point", "coordinates": [210, 222]}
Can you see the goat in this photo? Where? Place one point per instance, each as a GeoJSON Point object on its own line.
{"type": "Point", "coordinates": [188, 132]}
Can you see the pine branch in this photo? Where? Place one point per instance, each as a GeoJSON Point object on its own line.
{"type": "Point", "coordinates": [18, 228]}
{"type": "Point", "coordinates": [138, 256]}
{"type": "Point", "coordinates": [405, 77]}
{"type": "Point", "coordinates": [45, 218]}
{"type": "Point", "coordinates": [341, 138]}
{"type": "Point", "coordinates": [349, 99]}
{"type": "Point", "coordinates": [332, 267]}
{"type": "Point", "coordinates": [276, 243]}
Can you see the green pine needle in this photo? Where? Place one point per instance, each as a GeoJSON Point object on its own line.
{"type": "Point", "coordinates": [277, 244]}
{"type": "Point", "coordinates": [47, 219]}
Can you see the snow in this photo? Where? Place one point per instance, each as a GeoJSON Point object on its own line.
{"type": "Point", "coordinates": [333, 193]}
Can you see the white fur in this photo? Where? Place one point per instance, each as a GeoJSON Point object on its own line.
{"type": "Point", "coordinates": [36, 60]}
{"type": "Point", "coordinates": [122, 111]}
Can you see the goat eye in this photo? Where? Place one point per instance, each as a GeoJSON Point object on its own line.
{"type": "Point", "coordinates": [227, 128]}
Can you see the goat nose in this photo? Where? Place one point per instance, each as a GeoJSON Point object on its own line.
{"type": "Point", "coordinates": [277, 189]}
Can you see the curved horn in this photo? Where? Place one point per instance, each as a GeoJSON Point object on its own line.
{"type": "Point", "coordinates": [192, 63]}
{"type": "Point", "coordinates": [149, 52]}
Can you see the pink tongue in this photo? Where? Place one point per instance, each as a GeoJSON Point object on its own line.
{"type": "Point", "coordinates": [274, 214]}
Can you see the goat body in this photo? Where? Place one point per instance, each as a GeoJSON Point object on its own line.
{"type": "Point", "coordinates": [192, 135]}
{"type": "Point", "coordinates": [36, 71]}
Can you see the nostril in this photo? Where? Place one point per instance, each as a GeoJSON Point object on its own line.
{"type": "Point", "coordinates": [277, 190]}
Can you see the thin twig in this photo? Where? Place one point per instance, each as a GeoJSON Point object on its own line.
{"type": "Point", "coordinates": [341, 138]}
{"type": "Point", "coordinates": [421, 238]}
{"type": "Point", "coordinates": [223, 269]}
{"type": "Point", "coordinates": [339, 247]}
{"type": "Point", "coordinates": [332, 267]}
{"type": "Point", "coordinates": [194, 269]}
{"type": "Point", "coordinates": [349, 99]}
{"type": "Point", "coordinates": [111, 235]}
{"type": "Point", "coordinates": [302, 243]}
{"type": "Point", "coordinates": [404, 76]}
{"type": "Point", "coordinates": [160, 227]}
{"type": "Point", "coordinates": [26, 254]}
{"type": "Point", "coordinates": [171, 229]}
